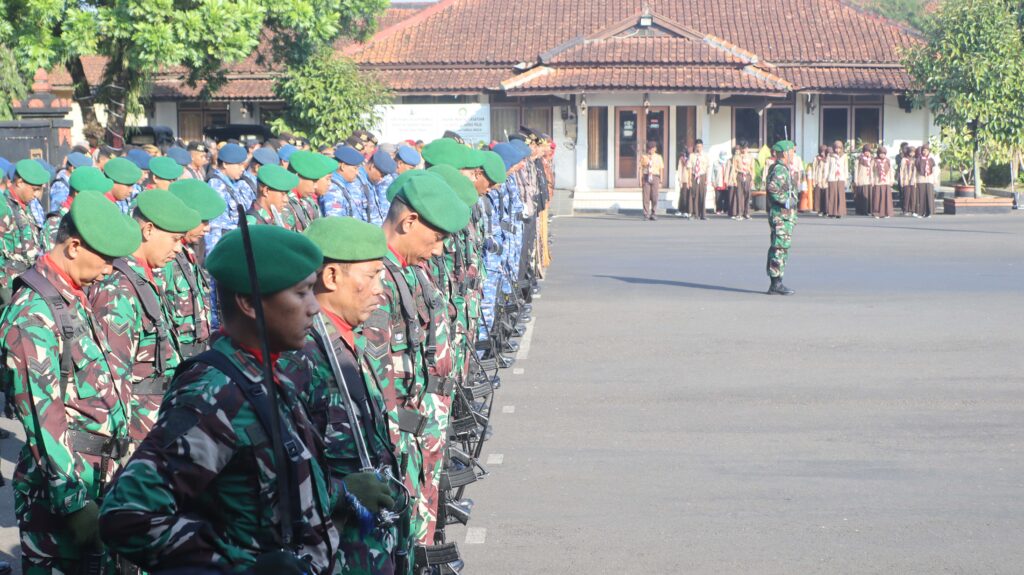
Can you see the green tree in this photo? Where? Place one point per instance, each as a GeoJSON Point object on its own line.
{"type": "Point", "coordinates": [12, 85]}
{"type": "Point", "coordinates": [327, 98]}
{"type": "Point", "coordinates": [969, 72]}
{"type": "Point", "coordinates": [139, 37]}
{"type": "Point", "coordinates": [910, 12]}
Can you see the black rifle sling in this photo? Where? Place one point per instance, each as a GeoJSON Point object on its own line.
{"type": "Point", "coordinates": [68, 326]}
{"type": "Point", "coordinates": [193, 284]}
{"type": "Point", "coordinates": [301, 217]}
{"type": "Point", "coordinates": [256, 394]}
{"type": "Point", "coordinates": [354, 379]}
{"type": "Point", "coordinates": [408, 303]}
{"type": "Point", "coordinates": [147, 296]}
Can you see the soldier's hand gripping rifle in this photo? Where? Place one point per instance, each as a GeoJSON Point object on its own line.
{"type": "Point", "coordinates": [366, 520]}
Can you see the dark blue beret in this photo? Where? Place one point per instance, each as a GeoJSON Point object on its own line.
{"type": "Point", "coordinates": [385, 163]}
{"type": "Point", "coordinates": [232, 154]}
{"type": "Point", "coordinates": [179, 155]}
{"type": "Point", "coordinates": [348, 155]}
{"type": "Point", "coordinates": [78, 159]}
{"type": "Point", "coordinates": [139, 157]}
{"type": "Point", "coordinates": [409, 155]}
{"type": "Point", "coordinates": [266, 157]}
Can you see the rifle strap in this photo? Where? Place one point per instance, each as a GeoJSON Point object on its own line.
{"type": "Point", "coordinates": [256, 394]}
{"type": "Point", "coordinates": [68, 327]}
{"type": "Point", "coordinates": [408, 303]}
{"type": "Point", "coordinates": [187, 272]}
{"type": "Point", "coordinates": [147, 296]}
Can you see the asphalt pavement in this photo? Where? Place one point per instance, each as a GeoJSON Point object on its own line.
{"type": "Point", "coordinates": [671, 418]}
{"type": "Point", "coordinates": [665, 416]}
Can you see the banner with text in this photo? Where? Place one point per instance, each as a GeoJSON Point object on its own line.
{"type": "Point", "coordinates": [427, 122]}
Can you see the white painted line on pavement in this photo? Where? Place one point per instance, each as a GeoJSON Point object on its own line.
{"type": "Point", "coordinates": [518, 371]}
{"type": "Point", "coordinates": [524, 344]}
{"type": "Point", "coordinates": [476, 535]}
{"type": "Point", "coordinates": [495, 459]}
{"type": "Point", "coordinates": [536, 296]}
{"type": "Point", "coordinates": [508, 409]}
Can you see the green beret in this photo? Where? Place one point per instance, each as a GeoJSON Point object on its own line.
{"type": "Point", "coordinates": [122, 171]}
{"type": "Point", "coordinates": [446, 151]}
{"type": "Point", "coordinates": [90, 179]}
{"type": "Point", "coordinates": [434, 200]}
{"type": "Point", "coordinates": [283, 258]}
{"type": "Point", "coordinates": [165, 168]}
{"type": "Point", "coordinates": [277, 178]}
{"type": "Point", "coordinates": [401, 180]}
{"type": "Point", "coordinates": [103, 227]}
{"type": "Point", "coordinates": [166, 211]}
{"type": "Point", "coordinates": [199, 196]}
{"type": "Point", "coordinates": [459, 183]}
{"type": "Point", "coordinates": [32, 172]}
{"type": "Point", "coordinates": [783, 146]}
{"type": "Point", "coordinates": [494, 167]}
{"type": "Point", "coordinates": [347, 239]}
{"type": "Point", "coordinates": [310, 165]}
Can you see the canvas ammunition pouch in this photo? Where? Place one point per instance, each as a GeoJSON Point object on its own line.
{"type": "Point", "coordinates": [411, 422]}
{"type": "Point", "coordinates": [98, 445]}
{"type": "Point", "coordinates": [431, 555]}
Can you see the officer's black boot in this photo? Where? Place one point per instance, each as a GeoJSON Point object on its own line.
{"type": "Point", "coordinates": [778, 289]}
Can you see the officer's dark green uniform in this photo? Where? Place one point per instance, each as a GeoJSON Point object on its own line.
{"type": "Point", "coordinates": [782, 215]}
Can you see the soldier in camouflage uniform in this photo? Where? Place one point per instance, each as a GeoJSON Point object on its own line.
{"type": "Point", "coordinates": [782, 214]}
{"type": "Point", "coordinates": [201, 494]}
{"type": "Point", "coordinates": [68, 391]}
{"type": "Point", "coordinates": [400, 336]}
{"type": "Point", "coordinates": [345, 196]}
{"type": "Point", "coordinates": [61, 186]}
{"type": "Point", "coordinates": [348, 289]}
{"type": "Point", "coordinates": [379, 168]}
{"type": "Point", "coordinates": [271, 205]}
{"type": "Point", "coordinates": [20, 236]}
{"type": "Point", "coordinates": [86, 178]}
{"type": "Point", "coordinates": [314, 171]}
{"type": "Point", "coordinates": [125, 175]}
{"type": "Point", "coordinates": [187, 287]}
{"type": "Point", "coordinates": [132, 310]}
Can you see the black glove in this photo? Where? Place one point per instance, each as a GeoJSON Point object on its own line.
{"type": "Point", "coordinates": [370, 490]}
{"type": "Point", "coordinates": [84, 526]}
{"type": "Point", "coordinates": [279, 563]}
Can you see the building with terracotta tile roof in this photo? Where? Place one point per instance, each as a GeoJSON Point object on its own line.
{"type": "Point", "coordinates": [604, 77]}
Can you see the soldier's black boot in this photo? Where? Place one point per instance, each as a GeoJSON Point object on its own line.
{"type": "Point", "coordinates": [778, 289]}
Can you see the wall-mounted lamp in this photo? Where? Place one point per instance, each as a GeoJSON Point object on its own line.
{"type": "Point", "coordinates": [647, 102]}
{"type": "Point", "coordinates": [583, 104]}
{"type": "Point", "coordinates": [711, 101]}
{"type": "Point", "coordinates": [646, 20]}
{"type": "Point", "coordinates": [809, 103]}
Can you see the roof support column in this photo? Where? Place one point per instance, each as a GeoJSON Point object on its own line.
{"type": "Point", "coordinates": [582, 145]}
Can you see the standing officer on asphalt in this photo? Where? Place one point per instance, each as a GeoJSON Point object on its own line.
{"type": "Point", "coordinates": [783, 204]}
{"type": "Point", "coordinates": [20, 235]}
{"type": "Point", "coordinates": [68, 390]}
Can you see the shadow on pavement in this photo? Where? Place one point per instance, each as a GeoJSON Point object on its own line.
{"type": "Point", "coordinates": [650, 281]}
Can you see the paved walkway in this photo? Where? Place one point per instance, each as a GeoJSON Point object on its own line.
{"type": "Point", "coordinates": [672, 419]}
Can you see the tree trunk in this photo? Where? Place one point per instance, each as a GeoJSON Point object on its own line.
{"type": "Point", "coordinates": [82, 90]}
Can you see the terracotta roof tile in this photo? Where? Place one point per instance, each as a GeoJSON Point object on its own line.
{"type": "Point", "coordinates": [891, 79]}
{"type": "Point", "coordinates": [664, 50]}
{"type": "Point", "coordinates": [234, 89]}
{"type": "Point", "coordinates": [93, 65]}
{"type": "Point", "coordinates": [449, 81]}
{"type": "Point", "coordinates": [649, 78]}
{"type": "Point", "coordinates": [492, 32]}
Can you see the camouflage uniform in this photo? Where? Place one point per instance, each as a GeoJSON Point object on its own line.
{"type": "Point", "coordinates": [59, 476]}
{"type": "Point", "coordinates": [344, 199]}
{"type": "Point", "coordinates": [301, 211]}
{"type": "Point", "coordinates": [782, 215]}
{"type": "Point", "coordinates": [48, 235]}
{"type": "Point", "coordinates": [201, 489]}
{"type": "Point", "coordinates": [392, 342]}
{"type": "Point", "coordinates": [59, 189]}
{"type": "Point", "coordinates": [20, 240]}
{"type": "Point", "coordinates": [260, 215]}
{"type": "Point", "coordinates": [187, 289]}
{"type": "Point", "coordinates": [437, 401]}
{"type": "Point", "coordinates": [375, 210]}
{"type": "Point", "coordinates": [233, 192]}
{"type": "Point", "coordinates": [373, 554]}
{"type": "Point", "coordinates": [494, 237]}
{"type": "Point", "coordinates": [140, 342]}
{"type": "Point", "coordinates": [382, 193]}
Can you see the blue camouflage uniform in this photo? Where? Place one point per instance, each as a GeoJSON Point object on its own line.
{"type": "Point", "coordinates": [233, 193]}
{"type": "Point", "coordinates": [375, 212]}
{"type": "Point", "coordinates": [513, 246]}
{"type": "Point", "coordinates": [59, 190]}
{"type": "Point", "coordinates": [495, 236]}
{"type": "Point", "coordinates": [382, 193]}
{"type": "Point", "coordinates": [344, 199]}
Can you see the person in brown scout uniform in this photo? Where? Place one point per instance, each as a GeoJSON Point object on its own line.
{"type": "Point", "coordinates": [652, 171]}
{"type": "Point", "coordinates": [882, 178]}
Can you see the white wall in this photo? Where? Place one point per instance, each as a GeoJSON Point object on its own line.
{"type": "Point", "coordinates": [898, 126]}
{"type": "Point", "coordinates": [166, 114]}
{"type": "Point", "coordinates": [77, 125]}
{"type": "Point", "coordinates": [565, 150]}
{"type": "Point", "coordinates": [719, 133]}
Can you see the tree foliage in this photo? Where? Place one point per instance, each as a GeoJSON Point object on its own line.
{"type": "Point", "coordinates": [139, 37]}
{"type": "Point", "coordinates": [327, 98]}
{"type": "Point", "coordinates": [969, 72]}
{"type": "Point", "coordinates": [910, 12]}
{"type": "Point", "coordinates": [12, 85]}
